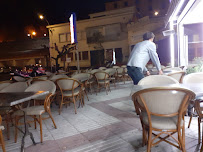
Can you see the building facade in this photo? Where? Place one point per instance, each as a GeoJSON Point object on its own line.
{"type": "Point", "coordinates": [97, 37]}
{"type": "Point", "coordinates": [24, 53]}
{"type": "Point", "coordinates": [113, 31]}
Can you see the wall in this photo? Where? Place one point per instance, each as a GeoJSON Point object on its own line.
{"type": "Point", "coordinates": [101, 22]}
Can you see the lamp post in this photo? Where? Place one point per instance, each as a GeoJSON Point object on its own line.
{"type": "Point", "coordinates": [44, 18]}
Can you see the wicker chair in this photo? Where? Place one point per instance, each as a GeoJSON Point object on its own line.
{"type": "Point", "coordinates": [157, 79]}
{"type": "Point", "coordinates": [120, 74]}
{"type": "Point", "coordinates": [70, 88]}
{"type": "Point", "coordinates": [1, 136]}
{"type": "Point", "coordinates": [112, 75]}
{"type": "Point", "coordinates": [194, 78]}
{"type": "Point", "coordinates": [102, 68]}
{"type": "Point", "coordinates": [6, 112]}
{"type": "Point", "coordinates": [83, 78]}
{"type": "Point", "coordinates": [177, 75]}
{"type": "Point", "coordinates": [59, 76]}
{"type": "Point", "coordinates": [35, 111]}
{"type": "Point", "coordinates": [173, 69]}
{"type": "Point", "coordinates": [162, 111]}
{"type": "Point", "coordinates": [103, 80]}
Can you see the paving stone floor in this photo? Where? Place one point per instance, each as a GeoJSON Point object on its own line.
{"type": "Point", "coordinates": [107, 123]}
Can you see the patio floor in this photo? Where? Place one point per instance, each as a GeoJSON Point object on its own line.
{"type": "Point", "coordinates": [107, 123]}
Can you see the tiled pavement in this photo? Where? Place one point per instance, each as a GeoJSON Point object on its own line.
{"type": "Point", "coordinates": [107, 123]}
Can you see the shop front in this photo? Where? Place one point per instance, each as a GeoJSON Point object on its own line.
{"type": "Point", "coordinates": [184, 23]}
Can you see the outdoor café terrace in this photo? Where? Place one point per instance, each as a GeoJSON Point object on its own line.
{"type": "Point", "coordinates": [107, 122]}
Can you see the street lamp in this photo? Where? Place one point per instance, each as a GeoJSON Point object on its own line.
{"type": "Point", "coordinates": [43, 18]}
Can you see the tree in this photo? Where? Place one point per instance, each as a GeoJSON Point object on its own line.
{"type": "Point", "coordinates": [65, 50]}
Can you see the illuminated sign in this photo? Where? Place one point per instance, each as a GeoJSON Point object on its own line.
{"type": "Point", "coordinates": [73, 33]}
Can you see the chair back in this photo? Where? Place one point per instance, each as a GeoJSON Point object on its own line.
{"type": "Point", "coordinates": [4, 84]}
{"type": "Point", "coordinates": [81, 77]}
{"type": "Point", "coordinates": [115, 67]}
{"type": "Point", "coordinates": [102, 68]}
{"type": "Point", "coordinates": [42, 86]}
{"type": "Point", "coordinates": [164, 101]}
{"type": "Point", "coordinates": [16, 87]}
{"type": "Point", "coordinates": [157, 80]}
{"type": "Point", "coordinates": [101, 75]}
{"type": "Point", "coordinates": [49, 73]}
{"type": "Point", "coordinates": [110, 71]}
{"type": "Point", "coordinates": [120, 70]}
{"type": "Point", "coordinates": [173, 69]}
{"type": "Point", "coordinates": [19, 79]}
{"type": "Point", "coordinates": [61, 71]}
{"type": "Point", "coordinates": [55, 77]}
{"type": "Point", "coordinates": [193, 78]}
{"type": "Point", "coordinates": [47, 102]}
{"type": "Point", "coordinates": [177, 75]}
{"type": "Point", "coordinates": [95, 70]}
{"type": "Point", "coordinates": [44, 77]}
{"type": "Point", "coordinates": [67, 84]}
{"type": "Point", "coordinates": [124, 66]}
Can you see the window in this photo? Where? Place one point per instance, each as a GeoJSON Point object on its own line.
{"type": "Point", "coordinates": [125, 3]}
{"type": "Point", "coordinates": [85, 55]}
{"type": "Point", "coordinates": [70, 55]}
{"type": "Point", "coordinates": [62, 38]}
{"type": "Point", "coordinates": [115, 5]}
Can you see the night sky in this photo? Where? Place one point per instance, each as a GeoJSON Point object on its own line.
{"type": "Point", "coordinates": [17, 15]}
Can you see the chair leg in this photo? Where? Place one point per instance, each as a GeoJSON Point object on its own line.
{"type": "Point", "coordinates": [199, 121]}
{"type": "Point", "coordinates": [35, 122]}
{"type": "Point", "coordinates": [182, 145]}
{"type": "Point", "coordinates": [109, 87]}
{"type": "Point", "coordinates": [60, 107]}
{"type": "Point", "coordinates": [52, 119]}
{"type": "Point", "coordinates": [106, 88]}
{"type": "Point", "coordinates": [86, 94]}
{"type": "Point", "coordinates": [74, 105]}
{"type": "Point", "coordinates": [7, 127]}
{"type": "Point", "coordinates": [149, 140]}
{"type": "Point", "coordinates": [16, 130]}
{"type": "Point", "coordinates": [40, 124]}
{"type": "Point", "coordinates": [2, 141]}
{"type": "Point", "coordinates": [190, 120]}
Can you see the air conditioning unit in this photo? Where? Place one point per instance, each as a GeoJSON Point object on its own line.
{"type": "Point", "coordinates": [168, 32]}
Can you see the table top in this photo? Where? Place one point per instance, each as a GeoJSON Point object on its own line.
{"type": "Point", "coordinates": [197, 88]}
{"type": "Point", "coordinates": [14, 98]}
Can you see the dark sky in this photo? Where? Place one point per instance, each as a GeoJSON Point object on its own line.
{"type": "Point", "coordinates": [15, 15]}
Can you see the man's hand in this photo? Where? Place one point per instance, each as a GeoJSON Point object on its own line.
{"type": "Point", "coordinates": [148, 73]}
{"type": "Point", "coordinates": [160, 72]}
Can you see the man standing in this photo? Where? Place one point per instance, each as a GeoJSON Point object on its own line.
{"type": "Point", "coordinates": [140, 56]}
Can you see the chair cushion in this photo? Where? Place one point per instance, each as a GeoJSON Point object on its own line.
{"type": "Point", "coordinates": [34, 110]}
{"type": "Point", "coordinates": [1, 127]}
{"type": "Point", "coordinates": [69, 93]}
{"type": "Point", "coordinates": [164, 123]}
{"type": "Point", "coordinates": [103, 81]}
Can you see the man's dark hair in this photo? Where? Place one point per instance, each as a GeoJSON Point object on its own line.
{"type": "Point", "coordinates": [148, 36]}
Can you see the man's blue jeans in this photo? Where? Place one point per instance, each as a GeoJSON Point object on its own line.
{"type": "Point", "coordinates": [135, 73]}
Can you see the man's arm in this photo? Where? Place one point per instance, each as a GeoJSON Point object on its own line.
{"type": "Point", "coordinates": [154, 57]}
{"type": "Point", "coordinates": [147, 71]}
